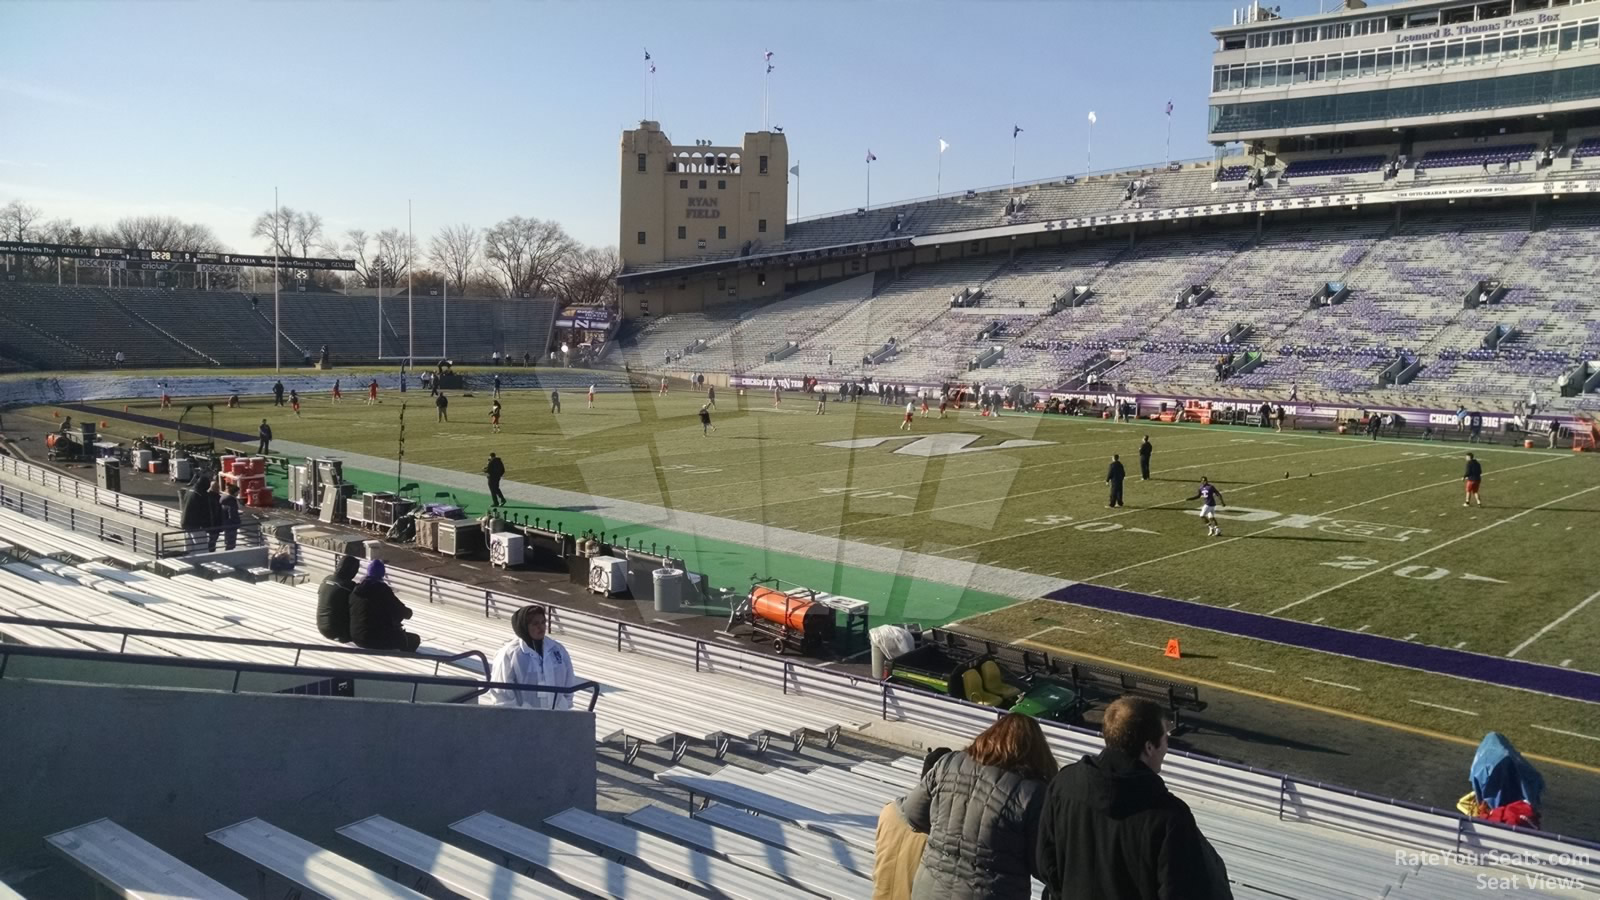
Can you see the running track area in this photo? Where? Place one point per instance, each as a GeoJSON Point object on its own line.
{"type": "Point", "coordinates": [1513, 673]}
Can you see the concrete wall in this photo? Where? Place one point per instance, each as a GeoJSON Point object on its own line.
{"type": "Point", "coordinates": [172, 765]}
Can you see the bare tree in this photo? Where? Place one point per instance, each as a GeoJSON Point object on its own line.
{"type": "Point", "coordinates": [164, 233]}
{"type": "Point", "coordinates": [454, 252]}
{"type": "Point", "coordinates": [589, 277]}
{"type": "Point", "coordinates": [397, 253]}
{"type": "Point", "coordinates": [292, 232]}
{"type": "Point", "coordinates": [17, 220]}
{"type": "Point", "coordinates": [525, 254]}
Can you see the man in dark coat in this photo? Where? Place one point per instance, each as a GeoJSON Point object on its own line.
{"type": "Point", "coordinates": [266, 439]}
{"type": "Point", "coordinates": [333, 600]}
{"type": "Point", "coordinates": [1145, 449]}
{"type": "Point", "coordinates": [1114, 476]}
{"type": "Point", "coordinates": [496, 470]}
{"type": "Point", "coordinates": [197, 508]}
{"type": "Point", "coordinates": [376, 614]}
{"type": "Point", "coordinates": [442, 403]}
{"type": "Point", "coordinates": [277, 394]}
{"type": "Point", "coordinates": [1111, 830]}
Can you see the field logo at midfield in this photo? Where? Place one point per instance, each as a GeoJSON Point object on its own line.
{"type": "Point", "coordinates": [935, 444]}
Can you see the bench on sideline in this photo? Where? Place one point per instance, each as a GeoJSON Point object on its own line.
{"type": "Point", "coordinates": [129, 866]}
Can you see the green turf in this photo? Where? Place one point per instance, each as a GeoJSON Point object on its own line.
{"type": "Point", "coordinates": [1390, 553]}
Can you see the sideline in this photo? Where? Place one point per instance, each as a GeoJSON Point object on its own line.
{"type": "Point", "coordinates": [1302, 704]}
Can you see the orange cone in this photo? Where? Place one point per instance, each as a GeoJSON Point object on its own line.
{"type": "Point", "coordinates": [1172, 649]}
{"type": "Point", "coordinates": [104, 425]}
{"type": "Point", "coordinates": [55, 413]}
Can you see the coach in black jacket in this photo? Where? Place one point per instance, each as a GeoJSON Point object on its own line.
{"type": "Point", "coordinates": [1110, 829]}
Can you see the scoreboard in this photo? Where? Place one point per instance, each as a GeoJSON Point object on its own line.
{"type": "Point", "coordinates": [169, 260]}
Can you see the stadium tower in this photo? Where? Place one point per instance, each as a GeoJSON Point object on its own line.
{"type": "Point", "coordinates": [1380, 87]}
{"type": "Point", "coordinates": [697, 202]}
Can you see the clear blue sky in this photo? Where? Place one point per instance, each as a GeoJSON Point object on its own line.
{"type": "Point", "coordinates": [481, 110]}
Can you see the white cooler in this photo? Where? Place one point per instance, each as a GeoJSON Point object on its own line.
{"type": "Point", "coordinates": [608, 575]}
{"type": "Point", "coordinates": [181, 468]}
{"type": "Point", "coordinates": [506, 549]}
{"type": "Point", "coordinates": [141, 459]}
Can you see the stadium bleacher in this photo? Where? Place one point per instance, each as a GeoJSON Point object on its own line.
{"type": "Point", "coordinates": [85, 327]}
{"type": "Point", "coordinates": [815, 831]}
{"type": "Point", "coordinates": [1332, 166]}
{"type": "Point", "coordinates": [1499, 155]}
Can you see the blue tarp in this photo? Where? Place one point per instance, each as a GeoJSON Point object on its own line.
{"type": "Point", "coordinates": [1500, 775]}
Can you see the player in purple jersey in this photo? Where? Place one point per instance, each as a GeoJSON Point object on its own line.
{"type": "Point", "coordinates": [1210, 498]}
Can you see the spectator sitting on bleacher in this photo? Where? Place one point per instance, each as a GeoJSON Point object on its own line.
{"type": "Point", "coordinates": [333, 600]}
{"type": "Point", "coordinates": [376, 614]}
{"type": "Point", "coordinates": [530, 658]}
{"type": "Point", "coordinates": [980, 810]}
{"type": "Point", "coordinates": [898, 847]}
{"type": "Point", "coordinates": [1110, 829]}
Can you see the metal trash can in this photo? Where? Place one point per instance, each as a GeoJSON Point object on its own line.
{"type": "Point", "coordinates": [668, 584]}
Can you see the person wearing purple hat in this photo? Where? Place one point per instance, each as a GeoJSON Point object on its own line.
{"type": "Point", "coordinates": [376, 614]}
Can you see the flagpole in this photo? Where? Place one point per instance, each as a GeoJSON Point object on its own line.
{"type": "Point", "coordinates": [1088, 165]}
{"type": "Point", "coordinates": [869, 183]}
{"type": "Point", "coordinates": [1013, 160]}
{"type": "Point", "coordinates": [938, 182]}
{"type": "Point", "coordinates": [1169, 136]}
{"type": "Point", "coordinates": [277, 326]}
{"type": "Point", "coordinates": [411, 325]}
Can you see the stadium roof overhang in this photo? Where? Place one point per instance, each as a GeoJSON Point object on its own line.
{"type": "Point", "coordinates": [1420, 193]}
{"type": "Point", "coordinates": [763, 260]}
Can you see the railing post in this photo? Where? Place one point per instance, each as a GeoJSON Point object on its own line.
{"type": "Point", "coordinates": [620, 628]}
{"type": "Point", "coordinates": [1283, 794]}
{"type": "Point", "coordinates": [788, 668]}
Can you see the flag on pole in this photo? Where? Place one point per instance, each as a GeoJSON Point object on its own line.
{"type": "Point", "coordinates": [647, 55]}
{"type": "Point", "coordinates": [769, 68]}
{"type": "Point", "coordinates": [768, 56]}
{"type": "Point", "coordinates": [1016, 130]}
{"type": "Point", "coordinates": [943, 146]}
{"type": "Point", "coordinates": [870, 156]}
{"type": "Point", "coordinates": [795, 170]}
{"type": "Point", "coordinates": [1091, 117]}
{"type": "Point", "coordinates": [652, 68]}
{"type": "Point", "coordinates": [1169, 107]}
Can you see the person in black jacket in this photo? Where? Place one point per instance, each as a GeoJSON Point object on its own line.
{"type": "Point", "coordinates": [1145, 449]}
{"type": "Point", "coordinates": [1114, 476]}
{"type": "Point", "coordinates": [1111, 830]}
{"type": "Point", "coordinates": [376, 614]}
{"type": "Point", "coordinates": [333, 600]}
{"type": "Point", "coordinates": [266, 438]}
{"type": "Point", "coordinates": [496, 470]}
{"type": "Point", "coordinates": [196, 515]}
{"type": "Point", "coordinates": [277, 394]}
{"type": "Point", "coordinates": [442, 403]}
{"type": "Point", "coordinates": [214, 504]}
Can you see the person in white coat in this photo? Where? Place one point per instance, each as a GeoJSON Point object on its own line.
{"type": "Point", "coordinates": [530, 658]}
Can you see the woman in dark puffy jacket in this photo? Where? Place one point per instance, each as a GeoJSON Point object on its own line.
{"type": "Point", "coordinates": [980, 809]}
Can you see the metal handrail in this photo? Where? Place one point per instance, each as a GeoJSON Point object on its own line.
{"type": "Point", "coordinates": [127, 632]}
{"type": "Point", "coordinates": [474, 687]}
{"type": "Point", "coordinates": [183, 541]}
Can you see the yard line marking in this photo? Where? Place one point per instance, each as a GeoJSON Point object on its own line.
{"type": "Point", "coordinates": [1460, 644]}
{"type": "Point", "coordinates": [1248, 666]}
{"type": "Point", "coordinates": [1348, 687]}
{"type": "Point", "coordinates": [1564, 616]}
{"type": "Point", "coordinates": [1193, 599]}
{"type": "Point", "coordinates": [1171, 504]}
{"type": "Point", "coordinates": [1119, 586]}
{"type": "Point", "coordinates": [1464, 712]}
{"type": "Point", "coordinates": [1035, 634]}
{"type": "Point", "coordinates": [1439, 546]}
{"type": "Point", "coordinates": [1568, 733]}
{"type": "Point", "coordinates": [1409, 636]}
{"type": "Point", "coordinates": [1363, 628]}
{"type": "Point", "coordinates": [1233, 604]}
{"type": "Point", "coordinates": [1225, 541]}
{"type": "Point", "coordinates": [1565, 663]}
{"type": "Point", "coordinates": [1318, 620]}
{"type": "Point", "coordinates": [1050, 490]}
{"type": "Point", "coordinates": [1140, 644]}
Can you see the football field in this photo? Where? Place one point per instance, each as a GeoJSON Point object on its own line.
{"type": "Point", "coordinates": [1341, 531]}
